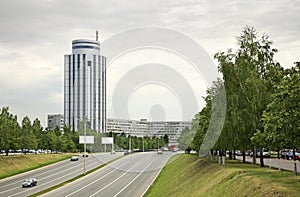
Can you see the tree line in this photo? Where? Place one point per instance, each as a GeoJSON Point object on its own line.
{"type": "Point", "coordinates": [31, 136]}
{"type": "Point", "coordinates": [262, 98]}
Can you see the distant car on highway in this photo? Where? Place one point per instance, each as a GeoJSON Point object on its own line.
{"type": "Point", "coordinates": [298, 156]}
{"type": "Point", "coordinates": [159, 152]}
{"type": "Point", "coordinates": [266, 154]}
{"type": "Point", "coordinates": [290, 155]}
{"type": "Point", "coordinates": [29, 182]}
{"type": "Point", "coordinates": [74, 158]}
{"type": "Point", "coordinates": [127, 152]}
{"type": "Point", "coordinates": [113, 152]}
{"type": "Point", "coordinates": [85, 155]}
{"type": "Point", "coordinates": [238, 153]}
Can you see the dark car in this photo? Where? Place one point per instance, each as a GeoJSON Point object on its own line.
{"type": "Point", "coordinates": [29, 182]}
{"type": "Point", "coordinates": [289, 155]}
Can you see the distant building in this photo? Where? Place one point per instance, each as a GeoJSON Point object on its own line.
{"type": "Point", "coordinates": [85, 86]}
{"type": "Point", "coordinates": [54, 121]}
{"type": "Point", "coordinates": [143, 127]}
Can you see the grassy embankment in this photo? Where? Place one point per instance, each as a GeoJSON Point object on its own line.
{"type": "Point", "coordinates": [188, 175]}
{"type": "Point", "coordinates": [15, 164]}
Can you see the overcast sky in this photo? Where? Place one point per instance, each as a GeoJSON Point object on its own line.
{"type": "Point", "coordinates": [35, 35]}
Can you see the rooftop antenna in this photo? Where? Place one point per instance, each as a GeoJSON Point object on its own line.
{"type": "Point", "coordinates": [97, 35]}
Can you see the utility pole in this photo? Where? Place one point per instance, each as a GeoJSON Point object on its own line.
{"type": "Point", "coordinates": [143, 144]}
{"type": "Point", "coordinates": [129, 143]}
{"type": "Point", "coordinates": [84, 147]}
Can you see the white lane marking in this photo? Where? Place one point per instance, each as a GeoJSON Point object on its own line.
{"type": "Point", "coordinates": [114, 180]}
{"type": "Point", "coordinates": [114, 169]}
{"type": "Point", "coordinates": [164, 163]}
{"type": "Point", "coordinates": [43, 179]}
{"type": "Point", "coordinates": [134, 179]}
{"type": "Point", "coordinates": [46, 171]}
{"type": "Point", "coordinates": [43, 184]}
{"type": "Point", "coordinates": [90, 183]}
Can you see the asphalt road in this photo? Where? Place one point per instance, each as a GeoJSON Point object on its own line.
{"type": "Point", "coordinates": [52, 175]}
{"type": "Point", "coordinates": [129, 176]}
{"type": "Point", "coordinates": [275, 163]}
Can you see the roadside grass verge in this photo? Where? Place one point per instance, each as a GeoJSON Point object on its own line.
{"type": "Point", "coordinates": [16, 164]}
{"type": "Point", "coordinates": [189, 175]}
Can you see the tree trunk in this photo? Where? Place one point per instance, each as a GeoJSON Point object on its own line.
{"type": "Point", "coordinates": [230, 155]}
{"type": "Point", "coordinates": [244, 157]}
{"type": "Point", "coordinates": [254, 156]}
{"type": "Point", "coordinates": [295, 165]}
{"type": "Point", "coordinates": [261, 158]}
{"type": "Point", "coordinates": [234, 156]}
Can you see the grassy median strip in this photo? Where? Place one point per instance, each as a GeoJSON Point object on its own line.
{"type": "Point", "coordinates": [189, 175]}
{"type": "Point", "coordinates": [16, 164]}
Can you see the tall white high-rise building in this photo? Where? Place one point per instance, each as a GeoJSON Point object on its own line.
{"type": "Point", "coordinates": [85, 86]}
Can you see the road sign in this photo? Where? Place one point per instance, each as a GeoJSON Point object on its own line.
{"type": "Point", "coordinates": [89, 139]}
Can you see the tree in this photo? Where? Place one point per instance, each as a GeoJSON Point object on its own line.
{"type": "Point", "coordinates": [27, 139]}
{"type": "Point", "coordinates": [281, 118]}
{"type": "Point", "coordinates": [9, 131]}
{"type": "Point", "coordinates": [166, 139]}
{"type": "Point", "coordinates": [247, 79]}
{"type": "Point", "coordinates": [37, 130]}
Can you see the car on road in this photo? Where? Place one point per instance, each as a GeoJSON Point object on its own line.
{"type": "Point", "coordinates": [85, 155]}
{"type": "Point", "coordinates": [74, 158]}
{"type": "Point", "coordinates": [159, 152]}
{"type": "Point", "coordinates": [265, 154]}
{"type": "Point", "coordinates": [127, 152]}
{"type": "Point", "coordinates": [298, 156]}
{"type": "Point", "coordinates": [288, 155]}
{"type": "Point", "coordinates": [113, 152]}
{"type": "Point", "coordinates": [238, 153]}
{"type": "Point", "coordinates": [29, 182]}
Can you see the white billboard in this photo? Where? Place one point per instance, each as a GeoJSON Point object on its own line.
{"type": "Point", "coordinates": [89, 139]}
{"type": "Point", "coordinates": [107, 140]}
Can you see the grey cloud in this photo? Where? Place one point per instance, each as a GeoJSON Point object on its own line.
{"type": "Point", "coordinates": [45, 28]}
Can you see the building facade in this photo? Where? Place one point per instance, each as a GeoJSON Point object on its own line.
{"type": "Point", "coordinates": [85, 86]}
{"type": "Point", "coordinates": [143, 127]}
{"type": "Point", "coordinates": [55, 121]}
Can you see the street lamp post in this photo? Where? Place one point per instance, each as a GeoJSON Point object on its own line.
{"type": "Point", "coordinates": [157, 143]}
{"type": "Point", "coordinates": [129, 143]}
{"type": "Point", "coordinates": [143, 144]}
{"type": "Point", "coordinates": [84, 153]}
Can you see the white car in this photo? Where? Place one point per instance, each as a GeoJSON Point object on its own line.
{"type": "Point", "coordinates": [74, 158]}
{"type": "Point", "coordinates": [85, 155]}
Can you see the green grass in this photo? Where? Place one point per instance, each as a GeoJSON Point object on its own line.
{"type": "Point", "coordinates": [189, 175]}
{"type": "Point", "coordinates": [16, 164]}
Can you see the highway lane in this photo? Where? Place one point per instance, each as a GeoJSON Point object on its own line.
{"type": "Point", "coordinates": [52, 175]}
{"type": "Point", "coordinates": [128, 176]}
